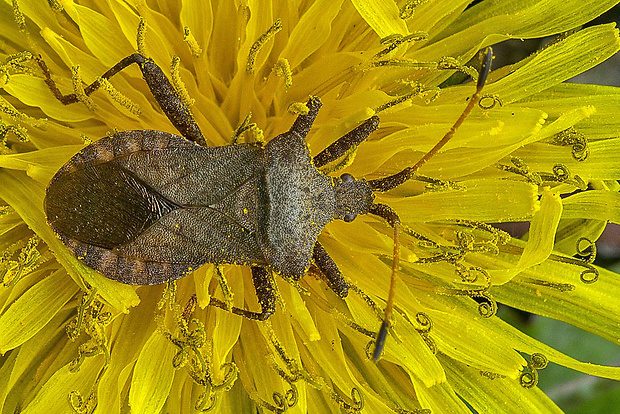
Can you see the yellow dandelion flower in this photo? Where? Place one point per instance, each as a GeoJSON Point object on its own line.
{"type": "Point", "coordinates": [533, 150]}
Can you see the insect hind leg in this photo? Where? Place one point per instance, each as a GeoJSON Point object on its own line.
{"type": "Point", "coordinates": [161, 88]}
{"type": "Point", "coordinates": [264, 292]}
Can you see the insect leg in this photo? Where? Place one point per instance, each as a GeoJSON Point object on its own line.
{"type": "Point", "coordinates": [352, 139]}
{"type": "Point", "coordinates": [303, 123]}
{"type": "Point", "coordinates": [329, 272]}
{"type": "Point", "coordinates": [161, 88]}
{"type": "Point", "coordinates": [264, 292]}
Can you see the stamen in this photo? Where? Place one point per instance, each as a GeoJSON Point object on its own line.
{"type": "Point", "coordinates": [561, 174]}
{"type": "Point", "coordinates": [256, 134]}
{"type": "Point", "coordinates": [205, 402]}
{"type": "Point", "coordinates": [19, 16]}
{"type": "Point", "coordinates": [495, 101]}
{"type": "Point", "coordinates": [576, 139]}
{"type": "Point", "coordinates": [487, 306]}
{"type": "Point", "coordinates": [588, 252]}
{"type": "Point", "coordinates": [228, 295]}
{"type": "Point", "coordinates": [519, 167]}
{"type": "Point", "coordinates": [245, 125]}
{"type": "Point", "coordinates": [426, 324]}
{"type": "Point", "coordinates": [93, 321]}
{"type": "Point", "coordinates": [193, 45]}
{"type": "Point", "coordinates": [499, 236]}
{"type": "Point", "coordinates": [14, 62]}
{"type": "Point", "coordinates": [284, 402]}
{"type": "Point", "coordinates": [529, 376]}
{"type": "Point", "coordinates": [14, 114]}
{"type": "Point", "coordinates": [450, 63]}
{"type": "Point", "coordinates": [355, 403]}
{"type": "Point", "coordinates": [57, 7]}
{"type": "Point", "coordinates": [81, 405]}
{"type": "Point", "coordinates": [260, 42]}
{"type": "Point", "coordinates": [141, 36]}
{"type": "Point", "coordinates": [371, 303]}
{"type": "Point", "coordinates": [78, 88]}
{"type": "Point", "coordinates": [491, 375]}
{"type": "Point", "coordinates": [351, 324]}
{"type": "Point", "coordinates": [562, 287]}
{"type": "Point", "coordinates": [283, 69]}
{"type": "Point", "coordinates": [119, 97]}
{"type": "Point", "coordinates": [418, 90]}
{"type": "Point", "coordinates": [178, 84]}
{"type": "Point", "coordinates": [20, 132]}
{"type": "Point", "coordinates": [402, 63]}
{"type": "Point", "coordinates": [195, 352]}
{"type": "Point", "coordinates": [589, 275]}
{"type": "Point", "coordinates": [28, 260]}
{"type": "Point", "coordinates": [394, 41]}
{"type": "Point", "coordinates": [436, 185]}
{"type": "Point", "coordinates": [407, 10]}
{"type": "Point", "coordinates": [423, 241]}
{"type": "Point", "coordinates": [295, 372]}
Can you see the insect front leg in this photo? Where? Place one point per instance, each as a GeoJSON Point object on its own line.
{"type": "Point", "coordinates": [329, 272]}
{"type": "Point", "coordinates": [338, 148]}
{"type": "Point", "coordinates": [264, 292]}
{"type": "Point", "coordinates": [161, 88]}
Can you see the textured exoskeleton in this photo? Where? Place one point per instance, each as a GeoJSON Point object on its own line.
{"type": "Point", "coordinates": [145, 207]}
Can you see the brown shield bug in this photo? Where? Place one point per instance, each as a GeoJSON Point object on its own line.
{"type": "Point", "coordinates": [146, 207]}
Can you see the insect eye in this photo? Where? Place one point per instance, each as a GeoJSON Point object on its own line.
{"type": "Point", "coordinates": [347, 178]}
{"type": "Point", "coordinates": [349, 217]}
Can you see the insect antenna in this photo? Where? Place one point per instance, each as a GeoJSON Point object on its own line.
{"type": "Point", "coordinates": [393, 181]}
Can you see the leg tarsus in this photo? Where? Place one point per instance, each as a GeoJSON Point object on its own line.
{"type": "Point", "coordinates": [328, 271]}
{"type": "Point", "coordinates": [339, 147]}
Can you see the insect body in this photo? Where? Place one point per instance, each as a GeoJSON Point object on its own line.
{"type": "Point", "coordinates": [146, 207]}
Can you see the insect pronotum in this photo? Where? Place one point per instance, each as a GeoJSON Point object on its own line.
{"type": "Point", "coordinates": [146, 207]}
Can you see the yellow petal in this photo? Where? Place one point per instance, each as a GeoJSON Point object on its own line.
{"type": "Point", "coordinates": [152, 375]}
{"type": "Point", "coordinates": [34, 309]}
{"type": "Point", "coordinates": [382, 16]}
